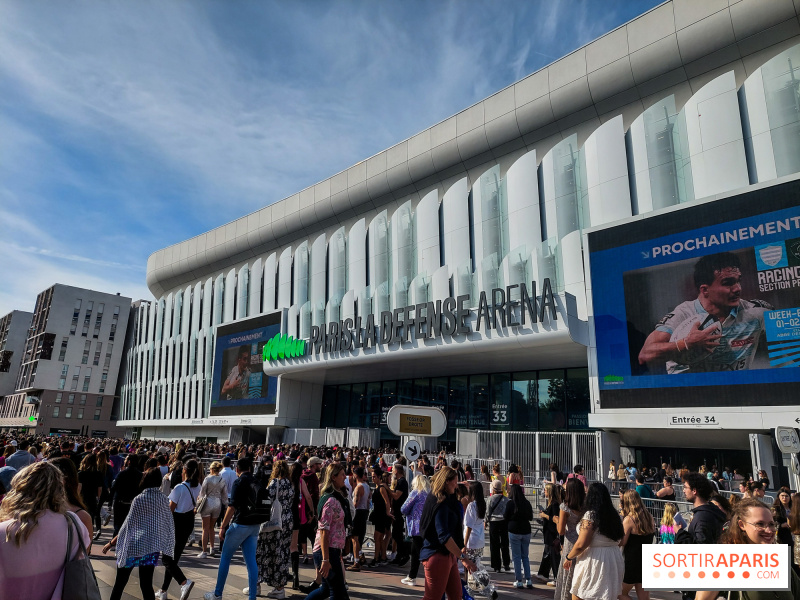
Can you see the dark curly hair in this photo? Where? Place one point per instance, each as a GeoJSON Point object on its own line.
{"type": "Point", "coordinates": [606, 517]}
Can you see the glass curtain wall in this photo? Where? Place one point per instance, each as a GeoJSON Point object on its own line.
{"type": "Point", "coordinates": [554, 400]}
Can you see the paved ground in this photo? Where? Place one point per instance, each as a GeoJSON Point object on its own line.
{"type": "Point", "coordinates": [370, 583]}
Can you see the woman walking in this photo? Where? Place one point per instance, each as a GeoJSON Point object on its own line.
{"type": "Point", "coordinates": [380, 517]}
{"type": "Point", "coordinates": [213, 490]}
{"type": "Point", "coordinates": [33, 534]}
{"type": "Point", "coordinates": [182, 501]}
{"type": "Point", "coordinates": [666, 532]}
{"type": "Point", "coordinates": [273, 550]}
{"type": "Point", "coordinates": [498, 528]}
{"type": "Point", "coordinates": [569, 517]}
{"type": "Point", "coordinates": [412, 510]}
{"type": "Point", "coordinates": [598, 563]}
{"type": "Point", "coordinates": [443, 543]}
{"type": "Point", "coordinates": [147, 533]}
{"type": "Point", "coordinates": [91, 481]}
{"type": "Point", "coordinates": [475, 540]}
{"type": "Point", "coordinates": [74, 501]}
{"type": "Point", "coordinates": [639, 527]}
{"type": "Point", "coordinates": [551, 556]}
{"type": "Point", "coordinates": [334, 519]}
{"type": "Point", "coordinates": [519, 514]}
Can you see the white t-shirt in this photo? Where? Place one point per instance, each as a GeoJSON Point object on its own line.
{"type": "Point", "coordinates": [185, 501]}
{"type": "Point", "coordinates": [477, 539]}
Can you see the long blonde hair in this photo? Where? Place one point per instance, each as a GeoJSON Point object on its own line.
{"type": "Point", "coordinates": [670, 510]}
{"type": "Point", "coordinates": [34, 489]}
{"type": "Point", "coordinates": [331, 472]}
{"type": "Point", "coordinates": [632, 506]}
{"type": "Point", "coordinates": [439, 480]}
{"type": "Point", "coordinates": [280, 470]}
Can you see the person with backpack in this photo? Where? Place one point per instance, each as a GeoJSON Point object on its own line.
{"type": "Point", "coordinates": [240, 528]}
{"type": "Point", "coordinates": [182, 502]}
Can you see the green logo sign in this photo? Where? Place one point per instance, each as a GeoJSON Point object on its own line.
{"type": "Point", "coordinates": [613, 379]}
{"type": "Point", "coordinates": [31, 419]}
{"type": "Point", "coordinates": [283, 346]}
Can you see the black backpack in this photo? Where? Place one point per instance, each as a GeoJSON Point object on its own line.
{"type": "Point", "coordinates": [259, 505]}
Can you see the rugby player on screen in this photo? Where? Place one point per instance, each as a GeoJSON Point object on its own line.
{"type": "Point", "coordinates": [717, 331]}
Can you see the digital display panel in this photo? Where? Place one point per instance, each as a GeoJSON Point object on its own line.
{"type": "Point", "coordinates": [700, 306]}
{"type": "Point", "coordinates": [239, 385]}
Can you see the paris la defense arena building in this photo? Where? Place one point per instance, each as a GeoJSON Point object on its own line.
{"type": "Point", "coordinates": [534, 262]}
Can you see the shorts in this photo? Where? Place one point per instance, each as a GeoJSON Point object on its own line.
{"type": "Point", "coordinates": [360, 524]}
{"type": "Point", "coordinates": [382, 523]}
{"type": "Point", "coordinates": [211, 509]}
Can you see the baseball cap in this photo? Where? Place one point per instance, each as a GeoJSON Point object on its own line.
{"type": "Point", "coordinates": [12, 443]}
{"type": "Point", "coordinates": [314, 460]}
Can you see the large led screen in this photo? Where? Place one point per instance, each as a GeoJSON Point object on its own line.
{"type": "Point", "coordinates": [239, 385]}
{"type": "Point", "coordinates": [700, 306]}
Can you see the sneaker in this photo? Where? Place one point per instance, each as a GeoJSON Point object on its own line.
{"type": "Point", "coordinates": [279, 594]}
{"type": "Point", "coordinates": [212, 554]}
{"type": "Point", "coordinates": [246, 591]}
{"type": "Point", "coordinates": [161, 595]}
{"type": "Point", "coordinates": [186, 588]}
{"type": "Point", "coordinates": [307, 589]}
{"type": "Point", "coordinates": [211, 596]}
{"type": "Point", "coordinates": [519, 584]}
{"type": "Point", "coordinates": [383, 563]}
{"type": "Point", "coordinates": [551, 583]}
{"type": "Point", "coordinates": [506, 568]}
{"type": "Point", "coordinates": [391, 555]}
{"type": "Point", "coordinates": [203, 554]}
{"type": "Point", "coordinates": [408, 581]}
{"type": "Point", "coordinates": [529, 584]}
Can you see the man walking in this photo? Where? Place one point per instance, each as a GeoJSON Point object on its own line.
{"type": "Point", "coordinates": [239, 530]}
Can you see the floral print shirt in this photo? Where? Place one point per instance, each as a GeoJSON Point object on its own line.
{"type": "Point", "coordinates": [331, 520]}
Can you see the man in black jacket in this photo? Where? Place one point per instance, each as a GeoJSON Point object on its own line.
{"type": "Point", "coordinates": [707, 519]}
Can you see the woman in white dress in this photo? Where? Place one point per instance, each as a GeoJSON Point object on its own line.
{"type": "Point", "coordinates": [596, 555]}
{"type": "Point", "coordinates": [215, 492]}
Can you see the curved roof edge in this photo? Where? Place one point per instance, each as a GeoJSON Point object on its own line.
{"type": "Point", "coordinates": [662, 48]}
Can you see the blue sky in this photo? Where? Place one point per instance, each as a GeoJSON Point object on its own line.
{"type": "Point", "coordinates": [129, 126]}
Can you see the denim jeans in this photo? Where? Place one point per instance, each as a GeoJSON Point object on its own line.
{"type": "Point", "coordinates": [520, 544]}
{"type": "Point", "coordinates": [246, 537]}
{"type": "Point", "coordinates": [333, 585]}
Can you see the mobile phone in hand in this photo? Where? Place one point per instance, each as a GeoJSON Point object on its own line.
{"type": "Point", "coordinates": [679, 520]}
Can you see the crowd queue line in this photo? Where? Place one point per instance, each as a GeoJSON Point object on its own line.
{"type": "Point", "coordinates": [270, 502]}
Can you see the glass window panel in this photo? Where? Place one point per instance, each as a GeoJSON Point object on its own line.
{"type": "Point", "coordinates": [440, 392]}
{"type": "Point", "coordinates": [56, 410]}
{"type": "Point", "coordinates": [500, 415]}
{"type": "Point", "coordinates": [524, 401]}
{"type": "Point", "coordinates": [342, 415]}
{"type": "Point", "coordinates": [552, 414]}
{"type": "Point", "coordinates": [371, 410]}
{"type": "Point", "coordinates": [358, 398]}
{"type": "Point", "coordinates": [479, 402]}
{"type": "Point", "coordinates": [328, 406]}
{"type": "Point", "coordinates": [578, 401]}
{"type": "Point", "coordinates": [422, 392]}
{"type": "Point", "coordinates": [388, 399]}
{"type": "Point", "coordinates": [458, 405]}
{"type": "Point", "coordinates": [405, 391]}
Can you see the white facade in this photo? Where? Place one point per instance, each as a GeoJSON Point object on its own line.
{"type": "Point", "coordinates": [664, 110]}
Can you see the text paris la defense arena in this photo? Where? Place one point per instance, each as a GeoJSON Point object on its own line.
{"type": "Point", "coordinates": [599, 250]}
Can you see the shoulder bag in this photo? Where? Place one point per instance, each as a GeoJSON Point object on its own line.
{"type": "Point", "coordinates": [80, 582]}
{"type": "Point", "coordinates": [195, 508]}
{"type": "Point", "coordinates": [275, 522]}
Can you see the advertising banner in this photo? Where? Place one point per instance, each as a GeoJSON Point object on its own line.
{"type": "Point", "coordinates": [239, 384]}
{"type": "Point", "coordinates": [715, 304]}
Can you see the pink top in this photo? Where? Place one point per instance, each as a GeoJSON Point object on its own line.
{"type": "Point", "coordinates": [33, 571]}
{"type": "Point", "coordinates": [332, 521]}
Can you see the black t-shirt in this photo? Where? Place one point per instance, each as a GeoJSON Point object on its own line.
{"type": "Point", "coordinates": [126, 485]}
{"type": "Point", "coordinates": [90, 481]}
{"type": "Point", "coordinates": [242, 497]}
{"type": "Point", "coordinates": [401, 485]}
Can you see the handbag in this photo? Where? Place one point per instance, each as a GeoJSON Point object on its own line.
{"type": "Point", "coordinates": [274, 523]}
{"type": "Point", "coordinates": [201, 504]}
{"type": "Point", "coordinates": [80, 582]}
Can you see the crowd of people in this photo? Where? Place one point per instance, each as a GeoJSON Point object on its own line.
{"type": "Point", "coordinates": [281, 504]}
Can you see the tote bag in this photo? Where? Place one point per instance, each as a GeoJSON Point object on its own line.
{"type": "Point", "coordinates": [80, 582]}
{"type": "Point", "coordinates": [274, 523]}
